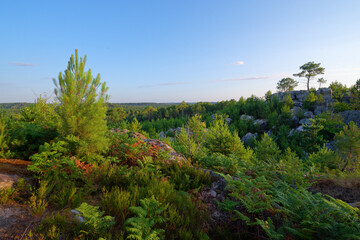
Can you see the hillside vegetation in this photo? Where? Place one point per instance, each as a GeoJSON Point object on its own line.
{"type": "Point", "coordinates": [285, 166]}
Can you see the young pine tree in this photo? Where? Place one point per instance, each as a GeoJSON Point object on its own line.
{"type": "Point", "coordinates": [82, 105]}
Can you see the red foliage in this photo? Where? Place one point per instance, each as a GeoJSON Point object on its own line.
{"type": "Point", "coordinates": [131, 153]}
{"type": "Point", "coordinates": [87, 168]}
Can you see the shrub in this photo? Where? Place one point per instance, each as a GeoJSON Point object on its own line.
{"type": "Point", "coordinates": [221, 163]}
{"type": "Point", "coordinates": [117, 202]}
{"type": "Point", "coordinates": [311, 216]}
{"type": "Point", "coordinates": [96, 223]}
{"type": "Point", "coordinates": [324, 159]}
{"type": "Point", "coordinates": [37, 201]}
{"type": "Point", "coordinates": [148, 215]}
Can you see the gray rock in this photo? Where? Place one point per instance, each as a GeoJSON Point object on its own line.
{"type": "Point", "coordinates": [162, 135]}
{"type": "Point", "coordinates": [300, 95]}
{"type": "Point", "coordinates": [351, 115]}
{"type": "Point", "coordinates": [324, 91]}
{"type": "Point", "coordinates": [228, 120]}
{"type": "Point", "coordinates": [292, 131]}
{"type": "Point", "coordinates": [78, 215]}
{"type": "Point", "coordinates": [300, 129]}
{"type": "Point", "coordinates": [245, 117]}
{"type": "Point", "coordinates": [249, 136]}
{"type": "Point", "coordinates": [262, 123]}
{"type": "Point", "coordinates": [295, 120]}
{"type": "Point", "coordinates": [320, 109]}
{"type": "Point", "coordinates": [294, 110]}
{"type": "Point", "coordinates": [330, 145]}
{"type": "Point", "coordinates": [346, 99]}
{"type": "Point", "coordinates": [305, 121]}
{"type": "Point", "coordinates": [308, 114]}
{"type": "Point", "coordinates": [297, 103]}
{"type": "Point", "coordinates": [213, 193]}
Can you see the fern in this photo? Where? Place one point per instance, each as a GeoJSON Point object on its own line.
{"type": "Point", "coordinates": [147, 216]}
{"type": "Point", "coordinates": [312, 216]}
{"type": "Point", "coordinates": [94, 219]}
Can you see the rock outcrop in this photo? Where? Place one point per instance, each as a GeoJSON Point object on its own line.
{"type": "Point", "coordinates": [299, 97]}
{"type": "Point", "coordinates": [174, 156]}
{"type": "Point", "coordinates": [249, 136]}
{"type": "Point", "coordinates": [351, 115]}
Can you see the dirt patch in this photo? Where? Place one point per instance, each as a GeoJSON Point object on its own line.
{"type": "Point", "coordinates": [348, 191]}
{"type": "Point", "coordinates": [15, 167]}
{"type": "Point", "coordinates": [14, 220]}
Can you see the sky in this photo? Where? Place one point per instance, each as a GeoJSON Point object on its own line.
{"type": "Point", "coordinates": [173, 51]}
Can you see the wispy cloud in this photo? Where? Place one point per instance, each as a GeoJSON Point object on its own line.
{"type": "Point", "coordinates": [23, 64]}
{"type": "Point", "coordinates": [251, 78]}
{"type": "Point", "coordinates": [163, 84]}
{"type": "Point", "coordinates": [238, 63]}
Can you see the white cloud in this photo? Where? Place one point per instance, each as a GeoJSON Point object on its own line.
{"type": "Point", "coordinates": [248, 78]}
{"type": "Point", "coordinates": [238, 63]}
{"type": "Point", "coordinates": [23, 64]}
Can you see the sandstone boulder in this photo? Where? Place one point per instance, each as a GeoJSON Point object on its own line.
{"type": "Point", "coordinates": [262, 123]}
{"type": "Point", "coordinates": [308, 114]}
{"type": "Point", "coordinates": [305, 121]}
{"type": "Point", "coordinates": [245, 117]}
{"type": "Point", "coordinates": [174, 156]}
{"type": "Point", "coordinates": [249, 136]}
{"type": "Point", "coordinates": [351, 115]}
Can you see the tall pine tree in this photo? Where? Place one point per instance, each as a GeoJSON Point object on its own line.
{"type": "Point", "coordinates": [82, 106]}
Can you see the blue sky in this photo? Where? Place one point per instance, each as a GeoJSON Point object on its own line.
{"type": "Point", "coordinates": [169, 51]}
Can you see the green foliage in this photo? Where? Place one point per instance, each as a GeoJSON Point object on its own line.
{"type": "Point", "coordinates": [310, 139]}
{"type": "Point", "coordinates": [286, 84]}
{"type": "Point", "coordinates": [332, 124]}
{"type": "Point", "coordinates": [148, 215]}
{"type": "Point", "coordinates": [135, 126]}
{"type": "Point", "coordinates": [338, 90]}
{"type": "Point", "coordinates": [8, 195]}
{"type": "Point", "coordinates": [310, 101]}
{"type": "Point", "coordinates": [341, 106]}
{"type": "Point", "coordinates": [117, 202]}
{"type": "Point", "coordinates": [321, 81]}
{"type": "Point", "coordinates": [310, 216]}
{"type": "Point", "coordinates": [68, 196]}
{"type": "Point", "coordinates": [288, 100]}
{"type": "Point", "coordinates": [37, 202]}
{"type": "Point", "coordinates": [267, 151]}
{"type": "Point", "coordinates": [26, 138]}
{"type": "Point", "coordinates": [324, 159]}
{"type": "Point", "coordinates": [347, 144]}
{"type": "Point", "coordinates": [309, 71]}
{"type": "Point", "coordinates": [254, 195]}
{"type": "Point", "coordinates": [185, 177]}
{"type": "Point", "coordinates": [291, 169]}
{"type": "Point", "coordinates": [192, 137]}
{"type": "Point", "coordinates": [256, 107]}
{"type": "Point", "coordinates": [40, 113]}
{"type": "Point", "coordinates": [54, 164]}
{"type": "Point", "coordinates": [220, 140]}
{"type": "Point", "coordinates": [4, 136]}
{"type": "Point", "coordinates": [225, 164]}
{"type": "Point", "coordinates": [94, 219]}
{"type": "Point", "coordinates": [82, 110]}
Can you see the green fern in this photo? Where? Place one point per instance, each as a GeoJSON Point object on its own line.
{"type": "Point", "coordinates": [94, 218]}
{"type": "Point", "coordinates": [147, 216]}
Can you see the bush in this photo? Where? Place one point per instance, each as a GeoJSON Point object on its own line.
{"type": "Point", "coordinates": [311, 216]}
{"type": "Point", "coordinates": [148, 215]}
